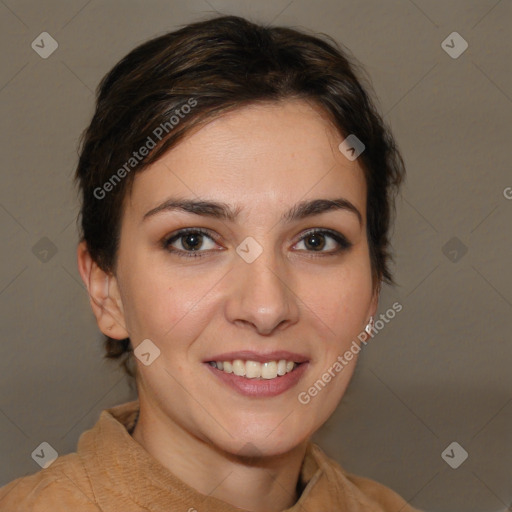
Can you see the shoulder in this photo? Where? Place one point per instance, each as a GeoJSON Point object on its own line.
{"type": "Point", "coordinates": [365, 494]}
{"type": "Point", "coordinates": [62, 486]}
{"type": "Point", "coordinates": [387, 499]}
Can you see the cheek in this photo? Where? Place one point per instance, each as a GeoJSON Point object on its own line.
{"type": "Point", "coordinates": [339, 300]}
{"type": "Point", "coordinates": [162, 303]}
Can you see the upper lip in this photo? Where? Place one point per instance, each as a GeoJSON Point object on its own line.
{"type": "Point", "coordinates": [261, 357]}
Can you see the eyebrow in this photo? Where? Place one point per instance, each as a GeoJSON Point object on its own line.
{"type": "Point", "coordinates": [224, 211]}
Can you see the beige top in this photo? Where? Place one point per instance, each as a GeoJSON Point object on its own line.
{"type": "Point", "coordinates": [111, 472]}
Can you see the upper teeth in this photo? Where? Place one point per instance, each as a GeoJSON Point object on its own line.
{"type": "Point", "coordinates": [255, 369]}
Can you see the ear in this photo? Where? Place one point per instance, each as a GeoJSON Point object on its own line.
{"type": "Point", "coordinates": [104, 295]}
{"type": "Point", "coordinates": [374, 304]}
{"type": "Point", "coordinates": [372, 311]}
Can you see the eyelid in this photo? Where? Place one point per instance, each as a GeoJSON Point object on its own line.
{"type": "Point", "coordinates": [343, 243]}
{"type": "Point", "coordinates": [185, 231]}
{"type": "Point", "coordinates": [340, 239]}
{"type": "Point", "coordinates": [176, 235]}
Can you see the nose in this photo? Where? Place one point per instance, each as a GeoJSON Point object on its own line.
{"type": "Point", "coordinates": [261, 296]}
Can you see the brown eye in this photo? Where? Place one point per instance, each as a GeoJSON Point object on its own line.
{"type": "Point", "coordinates": [192, 241]}
{"type": "Point", "coordinates": [315, 241]}
{"type": "Point", "coordinates": [189, 241]}
{"type": "Point", "coordinates": [318, 240]}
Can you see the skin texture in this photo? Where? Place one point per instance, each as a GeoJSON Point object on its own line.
{"type": "Point", "coordinates": [262, 159]}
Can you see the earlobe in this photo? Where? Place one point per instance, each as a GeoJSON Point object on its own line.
{"type": "Point", "coordinates": [103, 295]}
{"type": "Point", "coordinates": [375, 303]}
{"type": "Point", "coordinates": [370, 320]}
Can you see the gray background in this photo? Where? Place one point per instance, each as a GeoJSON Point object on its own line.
{"type": "Point", "coordinates": [439, 372]}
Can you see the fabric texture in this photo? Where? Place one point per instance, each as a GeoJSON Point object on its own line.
{"type": "Point", "coordinates": [111, 472]}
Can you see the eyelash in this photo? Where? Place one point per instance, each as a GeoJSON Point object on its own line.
{"type": "Point", "coordinates": [343, 243]}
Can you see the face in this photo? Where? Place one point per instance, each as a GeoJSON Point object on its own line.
{"type": "Point", "coordinates": [257, 278]}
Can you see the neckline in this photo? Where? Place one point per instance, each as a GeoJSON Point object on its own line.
{"type": "Point", "coordinates": [138, 474]}
{"type": "Point", "coordinates": [132, 428]}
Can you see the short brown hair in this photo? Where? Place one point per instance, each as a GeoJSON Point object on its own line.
{"type": "Point", "coordinates": [222, 64]}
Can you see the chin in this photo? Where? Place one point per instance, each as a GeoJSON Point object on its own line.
{"type": "Point", "coordinates": [259, 443]}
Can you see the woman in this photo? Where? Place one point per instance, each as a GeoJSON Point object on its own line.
{"type": "Point", "coordinates": [237, 187]}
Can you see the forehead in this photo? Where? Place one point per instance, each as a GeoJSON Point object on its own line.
{"type": "Point", "coordinates": [269, 153]}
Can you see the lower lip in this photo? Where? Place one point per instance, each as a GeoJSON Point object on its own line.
{"type": "Point", "coordinates": [260, 387]}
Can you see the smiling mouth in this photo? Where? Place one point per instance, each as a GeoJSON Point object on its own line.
{"type": "Point", "coordinates": [254, 369]}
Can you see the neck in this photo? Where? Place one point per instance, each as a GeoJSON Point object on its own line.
{"type": "Point", "coordinates": [256, 484]}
